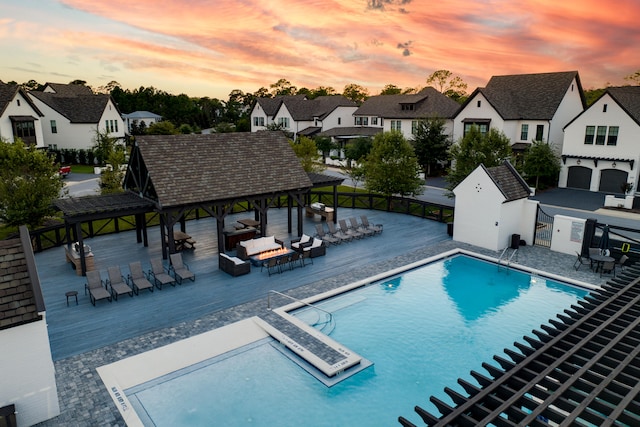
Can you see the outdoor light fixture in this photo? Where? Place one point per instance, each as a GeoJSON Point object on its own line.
{"type": "Point", "coordinates": [578, 161]}
{"type": "Point", "coordinates": [613, 165]}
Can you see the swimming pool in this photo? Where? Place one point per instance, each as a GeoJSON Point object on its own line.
{"type": "Point", "coordinates": [423, 330]}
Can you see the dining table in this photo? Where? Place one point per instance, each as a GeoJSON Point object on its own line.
{"type": "Point", "coordinates": [600, 259]}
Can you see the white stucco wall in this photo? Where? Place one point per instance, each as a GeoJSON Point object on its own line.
{"type": "Point", "coordinates": [472, 111]}
{"type": "Point", "coordinates": [627, 146]}
{"type": "Point", "coordinates": [28, 374]}
{"type": "Point", "coordinates": [345, 114]}
{"type": "Point", "coordinates": [569, 108]}
{"type": "Point", "coordinates": [24, 109]}
{"type": "Point", "coordinates": [258, 111]}
{"type": "Point", "coordinates": [478, 211]}
{"type": "Point", "coordinates": [568, 233]}
{"type": "Point", "coordinates": [517, 217]}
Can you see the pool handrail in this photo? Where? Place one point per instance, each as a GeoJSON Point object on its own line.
{"type": "Point", "coordinates": [298, 301]}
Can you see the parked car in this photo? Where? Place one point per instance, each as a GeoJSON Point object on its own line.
{"type": "Point", "coordinates": [64, 171]}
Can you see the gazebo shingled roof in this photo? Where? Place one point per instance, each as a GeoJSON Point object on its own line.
{"type": "Point", "coordinates": [192, 169]}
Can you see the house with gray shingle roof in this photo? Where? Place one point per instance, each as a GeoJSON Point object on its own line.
{"type": "Point", "coordinates": [73, 114]}
{"type": "Point", "coordinates": [302, 116]}
{"type": "Point", "coordinates": [28, 374]}
{"type": "Point", "coordinates": [492, 204]}
{"type": "Point", "coordinates": [140, 119]}
{"type": "Point", "coordinates": [525, 107]}
{"type": "Point", "coordinates": [19, 117]}
{"type": "Point", "coordinates": [601, 150]}
{"type": "Point", "coordinates": [403, 112]}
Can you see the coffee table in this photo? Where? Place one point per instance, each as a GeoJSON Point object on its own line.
{"type": "Point", "coordinates": [258, 260]}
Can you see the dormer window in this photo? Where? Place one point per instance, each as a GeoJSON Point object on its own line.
{"type": "Point", "coordinates": [407, 107]}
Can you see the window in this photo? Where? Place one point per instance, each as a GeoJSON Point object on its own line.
{"type": "Point", "coordinates": [589, 134]}
{"type": "Point", "coordinates": [106, 125]}
{"type": "Point", "coordinates": [613, 135]}
{"type": "Point", "coordinates": [18, 102]}
{"type": "Point", "coordinates": [483, 127]}
{"type": "Point", "coordinates": [362, 121]}
{"type": "Point", "coordinates": [414, 127]}
{"type": "Point", "coordinates": [339, 120]}
{"type": "Point", "coordinates": [539, 132]}
{"type": "Point", "coordinates": [601, 135]}
{"type": "Point", "coordinates": [374, 121]}
{"type": "Point", "coordinates": [25, 130]}
{"type": "Point", "coordinates": [604, 108]}
{"type": "Point", "coordinates": [284, 122]}
{"type": "Point", "coordinates": [258, 121]}
{"type": "Point", "coordinates": [524, 132]}
{"type": "Point", "coordinates": [396, 125]}
{"type": "Point", "coordinates": [479, 104]}
{"type": "Point", "coordinates": [54, 127]}
{"type": "Point", "coordinates": [407, 107]}
{"type": "Point", "coordinates": [116, 124]}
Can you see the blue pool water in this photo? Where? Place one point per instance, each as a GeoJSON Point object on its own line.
{"type": "Point", "coordinates": [422, 330]}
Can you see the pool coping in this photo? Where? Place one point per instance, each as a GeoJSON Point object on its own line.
{"type": "Point", "coordinates": [144, 367]}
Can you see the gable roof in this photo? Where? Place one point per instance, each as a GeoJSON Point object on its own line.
{"type": "Point", "coordinates": [628, 97]}
{"type": "Point", "coordinates": [302, 109]}
{"type": "Point", "coordinates": [142, 115]}
{"type": "Point", "coordinates": [270, 106]}
{"type": "Point", "coordinates": [21, 298]}
{"type": "Point", "coordinates": [426, 103]}
{"type": "Point", "coordinates": [76, 108]}
{"type": "Point", "coordinates": [528, 96]}
{"type": "Point", "coordinates": [8, 93]}
{"type": "Point", "coordinates": [191, 169]}
{"type": "Point", "coordinates": [67, 89]}
{"type": "Point", "coordinates": [508, 181]}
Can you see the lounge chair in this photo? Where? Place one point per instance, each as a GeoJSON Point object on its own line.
{"type": "Point", "coordinates": [580, 261]}
{"type": "Point", "coordinates": [349, 231]}
{"type": "Point", "coordinates": [320, 233]}
{"type": "Point", "coordinates": [360, 228]}
{"type": "Point", "coordinates": [376, 228]}
{"type": "Point", "coordinates": [300, 242]}
{"type": "Point", "coordinates": [117, 283]}
{"type": "Point", "coordinates": [160, 274]}
{"type": "Point", "coordinates": [95, 286]}
{"type": "Point", "coordinates": [337, 233]}
{"type": "Point", "coordinates": [180, 269]}
{"type": "Point", "coordinates": [137, 279]}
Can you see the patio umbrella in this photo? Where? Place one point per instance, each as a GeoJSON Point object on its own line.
{"type": "Point", "coordinates": [604, 240]}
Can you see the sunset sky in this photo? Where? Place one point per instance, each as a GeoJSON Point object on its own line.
{"type": "Point", "coordinates": [211, 47]}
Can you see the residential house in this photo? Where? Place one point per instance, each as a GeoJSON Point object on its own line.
{"type": "Point", "coordinates": [506, 209]}
{"type": "Point", "coordinates": [19, 117]}
{"type": "Point", "coordinates": [525, 107]}
{"type": "Point", "coordinates": [403, 112]}
{"type": "Point", "coordinates": [601, 150]}
{"type": "Point", "coordinates": [28, 390]}
{"type": "Point", "coordinates": [308, 117]}
{"type": "Point", "coordinates": [73, 114]}
{"type": "Point", "coordinates": [140, 120]}
{"type": "Point", "coordinates": [264, 110]}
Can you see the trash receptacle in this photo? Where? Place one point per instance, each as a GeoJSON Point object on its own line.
{"type": "Point", "coordinates": [450, 229]}
{"type": "Point", "coordinates": [515, 241]}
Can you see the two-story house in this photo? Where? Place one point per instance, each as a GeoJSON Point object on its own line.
{"type": "Point", "coordinates": [19, 117]}
{"type": "Point", "coordinates": [601, 150]}
{"type": "Point", "coordinates": [73, 114]}
{"type": "Point", "coordinates": [525, 107]}
{"type": "Point", "coordinates": [302, 116]}
{"type": "Point", "coordinates": [140, 120]}
{"type": "Point", "coordinates": [403, 112]}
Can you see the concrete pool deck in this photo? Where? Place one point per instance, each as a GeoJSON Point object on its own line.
{"type": "Point", "coordinates": [85, 401]}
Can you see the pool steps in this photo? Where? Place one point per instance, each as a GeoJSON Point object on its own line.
{"type": "Point", "coordinates": [331, 358]}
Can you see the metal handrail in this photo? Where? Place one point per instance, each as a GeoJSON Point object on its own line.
{"type": "Point", "coordinates": [296, 300]}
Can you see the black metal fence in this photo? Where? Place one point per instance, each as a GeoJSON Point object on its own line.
{"type": "Point", "coordinates": [56, 235]}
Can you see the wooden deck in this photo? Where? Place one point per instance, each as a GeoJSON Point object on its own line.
{"type": "Point", "coordinates": [77, 329]}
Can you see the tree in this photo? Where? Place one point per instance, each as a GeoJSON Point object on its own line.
{"type": "Point", "coordinates": [392, 167]}
{"type": "Point", "coordinates": [541, 161]}
{"type": "Point", "coordinates": [307, 152]}
{"type": "Point", "coordinates": [356, 93]}
{"type": "Point", "coordinates": [634, 78]}
{"type": "Point", "coordinates": [112, 176]}
{"type": "Point", "coordinates": [357, 150]}
{"type": "Point", "coordinates": [103, 146]}
{"type": "Point", "coordinates": [391, 89]}
{"type": "Point", "coordinates": [325, 145]}
{"type": "Point", "coordinates": [448, 84]}
{"type": "Point", "coordinates": [430, 143]}
{"type": "Point", "coordinates": [29, 182]}
{"type": "Point", "coordinates": [282, 87]}
{"type": "Point", "coordinates": [476, 148]}
{"type": "Point", "coordinates": [164, 127]}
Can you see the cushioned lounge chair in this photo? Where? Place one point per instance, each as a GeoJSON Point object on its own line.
{"type": "Point", "coordinates": [360, 228]}
{"type": "Point", "coordinates": [95, 286]}
{"type": "Point", "coordinates": [180, 269]}
{"type": "Point", "coordinates": [337, 233]}
{"type": "Point", "coordinates": [117, 283]}
{"type": "Point", "coordinates": [349, 231]}
{"type": "Point", "coordinates": [137, 279]}
{"type": "Point", "coordinates": [321, 234]}
{"type": "Point", "coordinates": [160, 274]}
{"type": "Point", "coordinates": [376, 228]}
{"type": "Point", "coordinates": [300, 242]}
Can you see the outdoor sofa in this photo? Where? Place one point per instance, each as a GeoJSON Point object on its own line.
{"type": "Point", "coordinates": [233, 265]}
{"type": "Point", "coordinates": [248, 248]}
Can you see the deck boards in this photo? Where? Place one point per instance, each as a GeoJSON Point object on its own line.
{"type": "Point", "coordinates": [77, 329]}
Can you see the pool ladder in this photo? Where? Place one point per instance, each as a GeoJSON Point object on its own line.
{"type": "Point", "coordinates": [507, 261]}
{"type": "Point", "coordinates": [326, 326]}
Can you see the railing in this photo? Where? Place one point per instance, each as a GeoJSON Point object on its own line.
{"type": "Point", "coordinates": [56, 235]}
{"type": "Point", "coordinates": [328, 313]}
